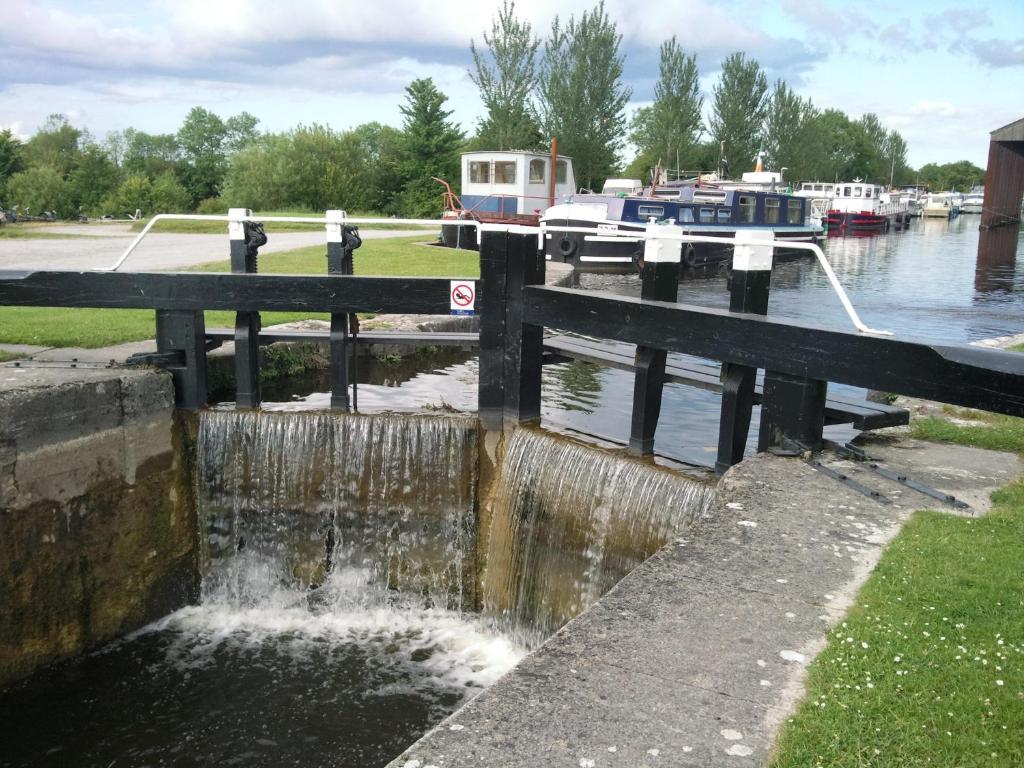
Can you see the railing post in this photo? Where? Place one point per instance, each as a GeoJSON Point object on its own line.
{"type": "Point", "coordinates": [338, 264]}
{"type": "Point", "coordinates": [184, 331]}
{"type": "Point", "coordinates": [493, 295]}
{"type": "Point", "coordinates": [659, 273]}
{"type": "Point", "coordinates": [748, 292]}
{"type": "Point", "coordinates": [524, 344]}
{"type": "Point", "coordinates": [245, 242]}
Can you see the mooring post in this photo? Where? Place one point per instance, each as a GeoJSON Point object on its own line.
{"type": "Point", "coordinates": [524, 343]}
{"type": "Point", "coordinates": [792, 413]}
{"type": "Point", "coordinates": [338, 264]}
{"type": "Point", "coordinates": [184, 331]}
{"type": "Point", "coordinates": [659, 274]}
{"type": "Point", "coordinates": [494, 246]}
{"type": "Point", "coordinates": [748, 292]}
{"type": "Point", "coordinates": [246, 238]}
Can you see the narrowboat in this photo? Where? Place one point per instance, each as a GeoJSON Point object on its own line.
{"type": "Point", "coordinates": [696, 210]}
{"type": "Point", "coordinates": [508, 187]}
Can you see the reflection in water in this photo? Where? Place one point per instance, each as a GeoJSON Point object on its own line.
{"type": "Point", "coordinates": [997, 255]}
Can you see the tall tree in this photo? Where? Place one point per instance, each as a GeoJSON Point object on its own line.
{"type": "Point", "coordinates": [506, 75]}
{"type": "Point", "coordinates": [95, 177]}
{"type": "Point", "coordinates": [580, 95]}
{"type": "Point", "coordinates": [670, 128]}
{"type": "Point", "coordinates": [240, 131]}
{"type": "Point", "coordinates": [57, 144]}
{"type": "Point", "coordinates": [739, 110]}
{"type": "Point", "coordinates": [876, 162]}
{"type": "Point", "coordinates": [10, 157]}
{"type": "Point", "coordinates": [791, 140]}
{"type": "Point", "coordinates": [202, 137]}
{"type": "Point", "coordinates": [430, 147]}
{"type": "Point", "coordinates": [147, 154]}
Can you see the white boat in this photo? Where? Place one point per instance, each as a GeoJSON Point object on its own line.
{"type": "Point", "coordinates": [974, 201]}
{"type": "Point", "coordinates": [938, 206]}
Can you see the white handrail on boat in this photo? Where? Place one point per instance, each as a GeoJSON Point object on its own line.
{"type": "Point", "coordinates": [813, 248]}
{"type": "Point", "coordinates": [287, 219]}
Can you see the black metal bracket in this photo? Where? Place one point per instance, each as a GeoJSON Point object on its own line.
{"type": "Point", "coordinates": [857, 454]}
{"type": "Point", "coordinates": [849, 482]}
{"type": "Point", "coordinates": [174, 357]}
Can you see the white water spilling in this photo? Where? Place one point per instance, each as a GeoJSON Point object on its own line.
{"type": "Point", "coordinates": [327, 529]}
{"type": "Point", "coordinates": [568, 521]}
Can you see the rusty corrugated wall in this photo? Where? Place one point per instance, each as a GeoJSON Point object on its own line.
{"type": "Point", "coordinates": [1004, 183]}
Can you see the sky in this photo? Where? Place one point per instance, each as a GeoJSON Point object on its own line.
{"type": "Point", "coordinates": [944, 74]}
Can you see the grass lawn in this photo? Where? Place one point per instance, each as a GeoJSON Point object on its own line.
{"type": "Point", "coordinates": [1018, 348]}
{"type": "Point", "coordinates": [928, 667]}
{"type": "Point", "coordinates": [8, 356]}
{"type": "Point", "coordinates": [56, 327]}
{"type": "Point", "coordinates": [16, 232]}
{"type": "Point", "coordinates": [220, 227]}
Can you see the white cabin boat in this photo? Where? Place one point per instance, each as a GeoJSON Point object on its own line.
{"type": "Point", "coordinates": [512, 184]}
{"type": "Point", "coordinates": [974, 201]}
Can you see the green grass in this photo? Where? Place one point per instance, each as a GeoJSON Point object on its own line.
{"type": "Point", "coordinates": [928, 668]}
{"type": "Point", "coordinates": [992, 431]}
{"type": "Point", "coordinates": [14, 232]}
{"type": "Point", "coordinates": [6, 357]}
{"type": "Point", "coordinates": [1018, 348]}
{"type": "Point", "coordinates": [54, 327]}
{"type": "Point", "coordinates": [220, 227]}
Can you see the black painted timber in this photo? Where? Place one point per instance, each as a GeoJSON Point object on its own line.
{"type": "Point", "coordinates": [245, 260]}
{"type": "Point", "coordinates": [226, 291]}
{"type": "Point", "coordinates": [493, 292]}
{"type": "Point", "coordinates": [839, 409]}
{"type": "Point", "coordinates": [426, 338]}
{"type": "Point", "coordinates": [973, 377]}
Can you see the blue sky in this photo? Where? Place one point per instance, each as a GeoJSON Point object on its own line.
{"type": "Point", "coordinates": [943, 74]}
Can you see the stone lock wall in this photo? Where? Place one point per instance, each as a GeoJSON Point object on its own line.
{"type": "Point", "coordinates": [97, 524]}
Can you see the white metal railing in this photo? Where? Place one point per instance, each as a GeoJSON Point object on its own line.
{"type": "Point", "coordinates": [328, 222]}
{"type": "Point", "coordinates": [337, 218]}
{"type": "Point", "coordinates": [685, 238]}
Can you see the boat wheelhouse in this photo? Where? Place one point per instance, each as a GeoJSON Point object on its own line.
{"type": "Point", "coordinates": [505, 187]}
{"type": "Point", "coordinates": [859, 208]}
{"type": "Point", "coordinates": [695, 210]}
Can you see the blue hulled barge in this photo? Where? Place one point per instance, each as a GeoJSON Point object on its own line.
{"type": "Point", "coordinates": [696, 210]}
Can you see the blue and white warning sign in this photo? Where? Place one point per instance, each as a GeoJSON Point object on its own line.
{"type": "Point", "coordinates": [463, 297]}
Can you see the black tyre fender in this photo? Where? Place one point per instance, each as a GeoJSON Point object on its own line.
{"type": "Point", "coordinates": [568, 246]}
{"type": "Point", "coordinates": [689, 255]}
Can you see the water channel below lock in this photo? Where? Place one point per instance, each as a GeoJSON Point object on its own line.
{"type": "Point", "coordinates": [307, 659]}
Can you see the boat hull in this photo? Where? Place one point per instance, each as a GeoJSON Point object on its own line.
{"type": "Point", "coordinates": [608, 252]}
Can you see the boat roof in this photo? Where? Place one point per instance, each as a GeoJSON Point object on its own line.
{"type": "Point", "coordinates": [493, 152]}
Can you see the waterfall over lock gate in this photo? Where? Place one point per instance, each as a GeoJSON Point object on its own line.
{"type": "Point", "coordinates": [567, 522]}
{"type": "Point", "coordinates": [336, 509]}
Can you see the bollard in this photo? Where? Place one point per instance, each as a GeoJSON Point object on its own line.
{"type": "Point", "coordinates": [659, 274]}
{"type": "Point", "coordinates": [748, 292]}
{"type": "Point", "coordinates": [246, 238]}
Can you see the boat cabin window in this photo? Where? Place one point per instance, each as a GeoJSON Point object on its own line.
{"type": "Point", "coordinates": [856, 191]}
{"type": "Point", "coordinates": [537, 171]}
{"type": "Point", "coordinates": [685, 215]}
{"type": "Point", "coordinates": [847, 192]}
{"type": "Point", "coordinates": [646, 211]}
{"type": "Point", "coordinates": [707, 216]}
{"type": "Point", "coordinates": [793, 212]}
{"type": "Point", "coordinates": [724, 217]}
{"type": "Point", "coordinates": [479, 172]}
{"type": "Point", "coordinates": [747, 205]}
{"type": "Point", "coordinates": [561, 172]}
{"type": "Point", "coordinates": [771, 210]}
{"type": "Point", "coordinates": [867, 191]}
{"type": "Point", "coordinates": [504, 171]}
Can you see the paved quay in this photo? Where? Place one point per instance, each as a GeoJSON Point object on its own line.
{"type": "Point", "coordinates": [157, 251]}
{"type": "Point", "coordinates": [698, 656]}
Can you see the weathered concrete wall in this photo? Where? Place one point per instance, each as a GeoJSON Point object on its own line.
{"type": "Point", "coordinates": [97, 528]}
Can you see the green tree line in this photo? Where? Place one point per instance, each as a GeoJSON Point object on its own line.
{"type": "Point", "coordinates": [568, 85]}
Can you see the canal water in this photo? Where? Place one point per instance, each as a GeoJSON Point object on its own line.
{"type": "Point", "coordinates": [332, 629]}
{"type": "Point", "coordinates": [927, 282]}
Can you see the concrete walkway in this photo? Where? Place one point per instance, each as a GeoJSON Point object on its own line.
{"type": "Point", "coordinates": [157, 251]}
{"type": "Point", "coordinates": [698, 656]}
